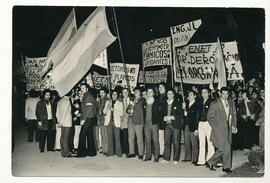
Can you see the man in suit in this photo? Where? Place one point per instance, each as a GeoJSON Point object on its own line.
{"type": "Point", "coordinates": [172, 115]}
{"type": "Point", "coordinates": [222, 119]}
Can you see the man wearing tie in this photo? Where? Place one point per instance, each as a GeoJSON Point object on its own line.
{"type": "Point", "coordinates": [222, 119]}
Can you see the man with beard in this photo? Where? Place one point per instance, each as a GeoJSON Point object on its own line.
{"type": "Point", "coordinates": [46, 121]}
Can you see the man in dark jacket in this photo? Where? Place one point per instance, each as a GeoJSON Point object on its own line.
{"type": "Point", "coordinates": [191, 128]}
{"type": "Point", "coordinates": [172, 116]}
{"type": "Point", "coordinates": [46, 121]}
{"type": "Point", "coordinates": [135, 125]}
{"type": "Point", "coordinates": [89, 108]}
{"type": "Point", "coordinates": [151, 126]}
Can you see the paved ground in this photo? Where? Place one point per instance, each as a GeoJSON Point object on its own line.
{"type": "Point", "coordinates": [28, 161]}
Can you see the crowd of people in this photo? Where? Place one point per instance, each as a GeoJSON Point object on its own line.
{"type": "Point", "coordinates": [147, 123]}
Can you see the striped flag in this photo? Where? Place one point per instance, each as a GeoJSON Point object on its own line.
{"type": "Point", "coordinates": [90, 40]}
{"type": "Point", "coordinates": [220, 65]}
{"type": "Point", "coordinates": [55, 53]}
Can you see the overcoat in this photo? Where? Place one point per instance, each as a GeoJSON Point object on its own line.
{"type": "Point", "coordinates": [221, 134]}
{"type": "Point", "coordinates": [41, 113]}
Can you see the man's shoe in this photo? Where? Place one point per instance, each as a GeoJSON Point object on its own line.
{"type": "Point", "coordinates": [164, 161]}
{"type": "Point", "coordinates": [42, 151]}
{"type": "Point", "coordinates": [193, 162]}
{"type": "Point", "coordinates": [227, 170]}
{"type": "Point", "coordinates": [156, 160]}
{"type": "Point", "coordinates": [79, 156]}
{"type": "Point", "coordinates": [147, 159]}
{"type": "Point", "coordinates": [131, 156]}
{"type": "Point", "coordinates": [185, 160]}
{"type": "Point", "coordinates": [175, 162]}
{"type": "Point", "coordinates": [200, 164]}
{"type": "Point", "coordinates": [211, 167]}
{"type": "Point", "coordinates": [140, 156]}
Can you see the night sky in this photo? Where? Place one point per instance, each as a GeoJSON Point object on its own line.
{"type": "Point", "coordinates": [34, 29]}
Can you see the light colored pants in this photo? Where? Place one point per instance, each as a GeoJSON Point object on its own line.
{"type": "Point", "coordinates": [161, 141]}
{"type": "Point", "coordinates": [76, 136]}
{"type": "Point", "coordinates": [204, 131]}
{"type": "Point", "coordinates": [57, 138]}
{"type": "Point", "coordinates": [135, 130]}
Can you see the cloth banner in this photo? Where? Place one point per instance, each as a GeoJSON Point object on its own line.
{"type": "Point", "coordinates": [118, 74]}
{"type": "Point", "coordinates": [157, 52]}
{"type": "Point", "coordinates": [197, 62]}
{"type": "Point", "coordinates": [99, 80]}
{"type": "Point", "coordinates": [34, 67]}
{"type": "Point", "coordinates": [154, 77]}
{"type": "Point", "coordinates": [181, 34]}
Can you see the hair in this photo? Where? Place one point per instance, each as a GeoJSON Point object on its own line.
{"type": "Point", "coordinates": [171, 89]}
{"type": "Point", "coordinates": [86, 85]}
{"type": "Point", "coordinates": [224, 89]}
{"type": "Point", "coordinates": [104, 89]}
{"type": "Point", "coordinates": [206, 88]}
{"type": "Point", "coordinates": [113, 92]}
{"type": "Point", "coordinates": [32, 93]}
{"type": "Point", "coordinates": [44, 92]}
{"type": "Point", "coordinates": [246, 92]}
{"type": "Point", "coordinates": [150, 88]}
{"type": "Point", "coordinates": [162, 83]}
{"type": "Point", "coordinates": [192, 91]}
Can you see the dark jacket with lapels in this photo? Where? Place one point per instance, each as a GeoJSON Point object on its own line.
{"type": "Point", "coordinates": [176, 111]}
{"type": "Point", "coordinates": [204, 107]}
{"type": "Point", "coordinates": [155, 115]}
{"type": "Point", "coordinates": [192, 118]}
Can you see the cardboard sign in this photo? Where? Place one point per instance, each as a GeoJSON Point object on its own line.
{"type": "Point", "coordinates": [154, 77]}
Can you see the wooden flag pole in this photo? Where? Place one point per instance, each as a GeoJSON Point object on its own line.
{"type": "Point", "coordinates": [121, 50]}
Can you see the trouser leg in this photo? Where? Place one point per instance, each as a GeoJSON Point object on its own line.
{"type": "Point", "coordinates": [116, 132]}
{"type": "Point", "coordinates": [187, 142]}
{"type": "Point", "coordinates": [50, 137]}
{"type": "Point", "coordinates": [210, 146]}
{"type": "Point", "coordinates": [155, 129]}
{"type": "Point", "coordinates": [139, 135]}
{"type": "Point", "coordinates": [110, 140]}
{"type": "Point", "coordinates": [42, 140]}
{"type": "Point", "coordinates": [71, 138]}
{"type": "Point", "coordinates": [194, 147]}
{"type": "Point", "coordinates": [76, 136]}
{"type": "Point", "coordinates": [147, 132]}
{"type": "Point", "coordinates": [167, 146]}
{"type": "Point", "coordinates": [161, 141]}
{"type": "Point", "coordinates": [202, 136]}
{"type": "Point", "coordinates": [82, 141]}
{"type": "Point", "coordinates": [104, 138]}
{"type": "Point", "coordinates": [30, 125]}
{"type": "Point", "coordinates": [131, 138]}
{"type": "Point", "coordinates": [65, 132]}
{"type": "Point", "coordinates": [176, 143]}
{"type": "Point", "coordinates": [57, 138]}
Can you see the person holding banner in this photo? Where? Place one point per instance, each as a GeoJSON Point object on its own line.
{"type": "Point", "coordinates": [191, 128]}
{"type": "Point", "coordinates": [135, 124]}
{"type": "Point", "coordinates": [151, 126]}
{"type": "Point", "coordinates": [172, 116]}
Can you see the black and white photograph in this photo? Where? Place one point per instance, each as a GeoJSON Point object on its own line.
{"type": "Point", "coordinates": [137, 91]}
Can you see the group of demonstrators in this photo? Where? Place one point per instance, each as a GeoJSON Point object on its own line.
{"type": "Point", "coordinates": [149, 122]}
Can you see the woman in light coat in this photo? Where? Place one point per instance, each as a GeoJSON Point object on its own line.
{"type": "Point", "coordinates": [113, 110]}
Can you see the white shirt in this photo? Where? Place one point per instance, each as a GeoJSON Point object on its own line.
{"type": "Point", "coordinates": [226, 106]}
{"type": "Point", "coordinates": [247, 109]}
{"type": "Point", "coordinates": [49, 111]}
{"type": "Point", "coordinates": [191, 103]}
{"type": "Point", "coordinates": [30, 108]}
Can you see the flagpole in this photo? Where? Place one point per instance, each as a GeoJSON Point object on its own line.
{"type": "Point", "coordinates": [174, 59]}
{"type": "Point", "coordinates": [121, 49]}
{"type": "Point", "coordinates": [108, 75]}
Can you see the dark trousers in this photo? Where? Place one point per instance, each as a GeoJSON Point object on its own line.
{"type": "Point", "coordinates": [87, 132]}
{"type": "Point", "coordinates": [48, 134]}
{"type": "Point", "coordinates": [247, 133]}
{"type": "Point", "coordinates": [114, 145]}
{"type": "Point", "coordinates": [32, 127]}
{"type": "Point", "coordinates": [175, 135]}
{"type": "Point", "coordinates": [151, 133]}
{"type": "Point", "coordinates": [71, 138]}
{"type": "Point", "coordinates": [124, 141]}
{"type": "Point", "coordinates": [191, 145]}
{"type": "Point", "coordinates": [64, 141]}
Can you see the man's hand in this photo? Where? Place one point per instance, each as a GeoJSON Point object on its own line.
{"type": "Point", "coordinates": [58, 125]}
{"type": "Point", "coordinates": [39, 123]}
{"type": "Point", "coordinates": [244, 116]}
{"type": "Point", "coordinates": [82, 122]}
{"type": "Point", "coordinates": [234, 130]}
{"type": "Point", "coordinates": [252, 116]}
{"type": "Point", "coordinates": [172, 118]}
{"type": "Point", "coordinates": [165, 118]}
{"type": "Point", "coordinates": [184, 105]}
{"type": "Point", "coordinates": [196, 133]}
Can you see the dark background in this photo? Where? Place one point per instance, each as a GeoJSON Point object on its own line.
{"type": "Point", "coordinates": [35, 27]}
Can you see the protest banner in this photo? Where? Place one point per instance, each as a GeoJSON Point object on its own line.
{"type": "Point", "coordinates": [100, 80]}
{"type": "Point", "coordinates": [197, 62]}
{"type": "Point", "coordinates": [101, 60]}
{"type": "Point", "coordinates": [34, 67]}
{"type": "Point", "coordinates": [181, 34]}
{"type": "Point", "coordinates": [154, 77]}
{"type": "Point", "coordinates": [118, 74]}
{"type": "Point", "coordinates": [157, 52]}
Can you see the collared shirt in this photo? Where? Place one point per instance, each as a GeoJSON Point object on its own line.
{"type": "Point", "coordinates": [49, 111]}
{"type": "Point", "coordinates": [226, 107]}
{"type": "Point", "coordinates": [30, 108]}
